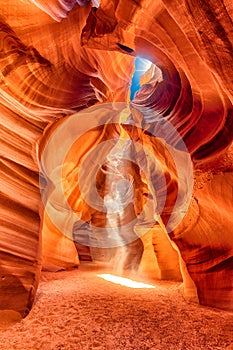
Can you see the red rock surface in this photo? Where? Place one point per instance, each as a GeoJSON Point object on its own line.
{"type": "Point", "coordinates": [58, 58]}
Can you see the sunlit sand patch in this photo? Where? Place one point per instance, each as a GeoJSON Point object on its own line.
{"type": "Point", "coordinates": [125, 281]}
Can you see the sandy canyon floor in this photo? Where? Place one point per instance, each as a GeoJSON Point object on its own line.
{"type": "Point", "coordinates": [78, 310]}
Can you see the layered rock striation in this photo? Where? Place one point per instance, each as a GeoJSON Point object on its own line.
{"type": "Point", "coordinates": [58, 58]}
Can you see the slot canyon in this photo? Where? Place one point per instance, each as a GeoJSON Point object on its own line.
{"type": "Point", "coordinates": [116, 174]}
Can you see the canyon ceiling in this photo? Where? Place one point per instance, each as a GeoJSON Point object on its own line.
{"type": "Point", "coordinates": [60, 57]}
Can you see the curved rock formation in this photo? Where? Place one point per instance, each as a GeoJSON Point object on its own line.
{"type": "Point", "coordinates": [57, 58]}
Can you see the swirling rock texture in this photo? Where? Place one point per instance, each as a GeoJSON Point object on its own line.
{"type": "Point", "coordinates": [59, 57]}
